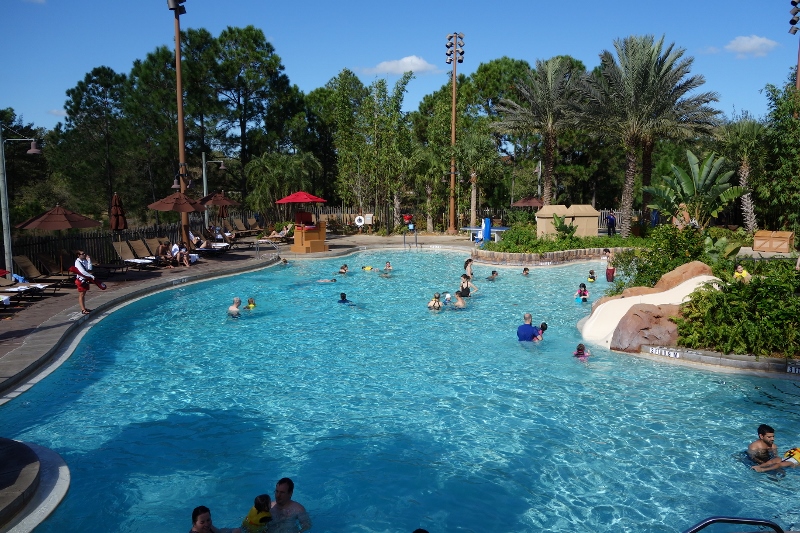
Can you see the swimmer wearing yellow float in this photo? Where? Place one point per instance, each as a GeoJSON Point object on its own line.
{"type": "Point", "coordinates": [259, 516]}
{"type": "Point", "coordinates": [591, 277]}
{"type": "Point", "coordinates": [367, 268]}
{"type": "Point", "coordinates": [251, 304]}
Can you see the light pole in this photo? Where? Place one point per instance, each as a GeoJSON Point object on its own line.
{"type": "Point", "coordinates": [793, 29]}
{"type": "Point", "coordinates": [205, 180]}
{"type": "Point", "coordinates": [174, 5]}
{"type": "Point", "coordinates": [454, 54]}
{"type": "Point", "coordinates": [6, 217]}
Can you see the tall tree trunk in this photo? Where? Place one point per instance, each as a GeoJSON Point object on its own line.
{"type": "Point", "coordinates": [647, 175]}
{"type": "Point", "coordinates": [748, 211]}
{"type": "Point", "coordinates": [429, 208]}
{"type": "Point", "coordinates": [396, 214]}
{"type": "Point", "coordinates": [473, 198]}
{"type": "Point", "coordinates": [626, 206]}
{"type": "Point", "coordinates": [549, 165]}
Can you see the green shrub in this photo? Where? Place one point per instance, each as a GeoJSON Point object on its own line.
{"type": "Point", "coordinates": [761, 317]}
{"type": "Point", "coordinates": [666, 249]}
{"type": "Point", "coordinates": [522, 239]}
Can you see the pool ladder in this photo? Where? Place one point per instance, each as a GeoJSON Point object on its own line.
{"type": "Point", "coordinates": [266, 256]}
{"type": "Point", "coordinates": [415, 244]}
{"type": "Point", "coordinates": [734, 520]}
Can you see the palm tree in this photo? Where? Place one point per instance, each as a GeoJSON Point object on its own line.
{"type": "Point", "coordinates": [699, 196]}
{"type": "Point", "coordinates": [638, 95]}
{"type": "Point", "coordinates": [476, 153]}
{"type": "Point", "coordinates": [744, 140]}
{"type": "Point", "coordinates": [546, 96]}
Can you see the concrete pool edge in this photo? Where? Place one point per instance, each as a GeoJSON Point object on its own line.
{"type": "Point", "coordinates": [52, 487]}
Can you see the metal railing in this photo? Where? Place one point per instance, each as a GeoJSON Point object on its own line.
{"type": "Point", "coordinates": [734, 520]}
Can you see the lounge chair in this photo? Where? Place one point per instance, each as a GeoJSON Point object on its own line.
{"type": "Point", "coordinates": [253, 223]}
{"type": "Point", "coordinates": [10, 288]}
{"type": "Point", "coordinates": [140, 250]}
{"type": "Point", "coordinates": [281, 236]}
{"type": "Point", "coordinates": [126, 256]}
{"type": "Point", "coordinates": [242, 230]}
{"type": "Point", "coordinates": [52, 267]}
{"type": "Point", "coordinates": [32, 274]}
{"type": "Point", "coordinates": [217, 248]}
{"type": "Point", "coordinates": [153, 245]}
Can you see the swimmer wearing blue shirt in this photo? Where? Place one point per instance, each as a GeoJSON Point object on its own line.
{"type": "Point", "coordinates": [528, 332]}
{"type": "Point", "coordinates": [343, 298]}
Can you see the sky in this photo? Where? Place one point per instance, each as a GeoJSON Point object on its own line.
{"type": "Point", "coordinates": [48, 46]}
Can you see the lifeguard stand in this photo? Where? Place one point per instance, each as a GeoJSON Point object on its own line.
{"type": "Point", "coordinates": [308, 237]}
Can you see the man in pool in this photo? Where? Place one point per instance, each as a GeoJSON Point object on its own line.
{"type": "Point", "coordinates": [343, 298]}
{"type": "Point", "coordinates": [493, 276]}
{"type": "Point", "coordinates": [233, 310]}
{"type": "Point", "coordinates": [763, 448]}
{"type": "Point", "coordinates": [526, 332]}
{"type": "Point", "coordinates": [287, 514]}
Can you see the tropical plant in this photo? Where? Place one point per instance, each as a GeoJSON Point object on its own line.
{"type": "Point", "coordinates": [563, 230]}
{"type": "Point", "coordinates": [746, 318]}
{"type": "Point", "coordinates": [719, 249]}
{"type": "Point", "coordinates": [637, 95]}
{"type": "Point", "coordinates": [546, 95]}
{"type": "Point", "coordinates": [743, 139]}
{"type": "Point", "coordinates": [700, 196]}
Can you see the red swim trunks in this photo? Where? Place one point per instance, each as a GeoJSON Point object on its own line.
{"type": "Point", "coordinates": [83, 286]}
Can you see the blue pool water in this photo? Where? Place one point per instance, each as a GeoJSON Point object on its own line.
{"type": "Point", "coordinates": [391, 417]}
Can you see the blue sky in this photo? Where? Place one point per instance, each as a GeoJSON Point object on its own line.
{"type": "Point", "coordinates": [49, 45]}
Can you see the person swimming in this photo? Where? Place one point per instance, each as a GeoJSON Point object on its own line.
{"type": "Point", "coordinates": [251, 304]}
{"type": "Point", "coordinates": [581, 352]}
{"type": "Point", "coordinates": [591, 277]}
{"type": "Point", "coordinates": [582, 293]}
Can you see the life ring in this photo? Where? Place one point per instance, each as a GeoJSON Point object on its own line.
{"type": "Point", "coordinates": [359, 221]}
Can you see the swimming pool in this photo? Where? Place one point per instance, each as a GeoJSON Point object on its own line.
{"type": "Point", "coordinates": [391, 417]}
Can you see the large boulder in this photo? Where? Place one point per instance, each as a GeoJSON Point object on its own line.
{"type": "Point", "coordinates": [646, 324]}
{"type": "Point", "coordinates": [681, 274]}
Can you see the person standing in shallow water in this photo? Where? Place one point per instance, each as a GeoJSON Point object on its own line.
{"type": "Point", "coordinates": [287, 514]}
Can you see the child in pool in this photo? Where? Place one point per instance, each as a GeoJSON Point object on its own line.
{"type": "Point", "coordinates": [591, 277]}
{"type": "Point", "coordinates": [259, 516]}
{"type": "Point", "coordinates": [582, 293]}
{"type": "Point", "coordinates": [581, 352]}
{"type": "Point", "coordinates": [251, 304]}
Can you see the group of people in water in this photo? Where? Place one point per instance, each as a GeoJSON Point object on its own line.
{"type": "Point", "coordinates": [235, 309]}
{"type": "Point", "coordinates": [266, 515]}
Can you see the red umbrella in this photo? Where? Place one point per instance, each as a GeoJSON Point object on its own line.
{"type": "Point", "coordinates": [117, 214]}
{"type": "Point", "coordinates": [177, 202]}
{"type": "Point", "coordinates": [59, 218]}
{"type": "Point", "coordinates": [301, 197]}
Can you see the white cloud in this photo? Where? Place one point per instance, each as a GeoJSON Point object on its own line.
{"type": "Point", "coordinates": [709, 50]}
{"type": "Point", "coordinates": [57, 112]}
{"type": "Point", "coordinates": [753, 45]}
{"type": "Point", "coordinates": [399, 66]}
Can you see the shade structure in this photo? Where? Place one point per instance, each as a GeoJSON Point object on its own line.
{"type": "Point", "coordinates": [177, 202]}
{"type": "Point", "coordinates": [301, 197]}
{"type": "Point", "coordinates": [117, 214]}
{"type": "Point", "coordinates": [218, 198]}
{"type": "Point", "coordinates": [59, 218]}
{"type": "Point", "coordinates": [530, 201]}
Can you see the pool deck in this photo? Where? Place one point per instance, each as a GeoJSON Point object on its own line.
{"type": "Point", "coordinates": [38, 335]}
